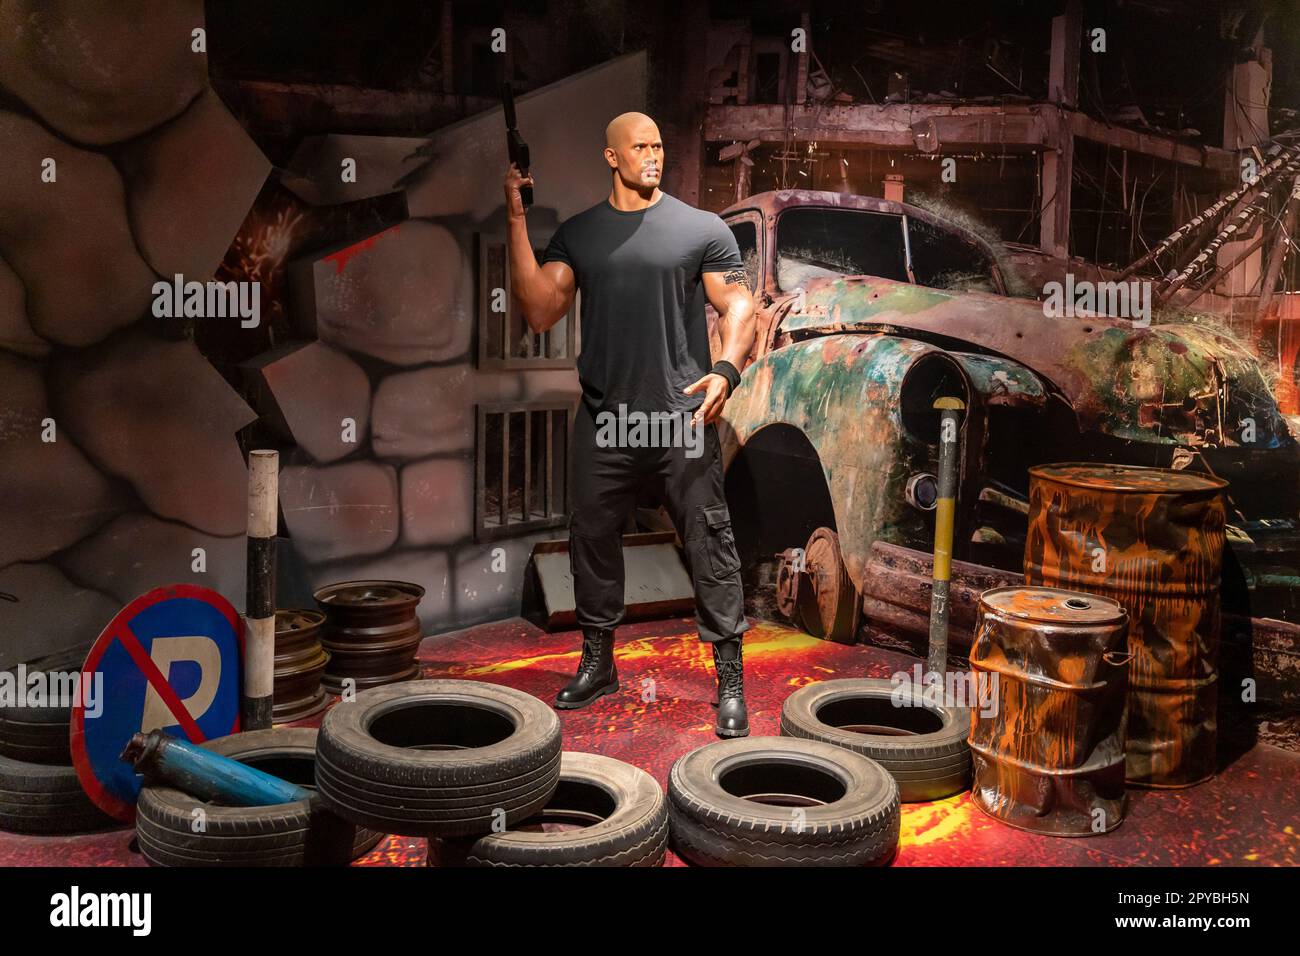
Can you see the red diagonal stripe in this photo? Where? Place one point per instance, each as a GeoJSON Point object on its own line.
{"type": "Point", "coordinates": [155, 677]}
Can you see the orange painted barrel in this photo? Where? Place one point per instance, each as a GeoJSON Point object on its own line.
{"type": "Point", "coordinates": [1047, 739]}
{"type": "Point", "coordinates": [1151, 539]}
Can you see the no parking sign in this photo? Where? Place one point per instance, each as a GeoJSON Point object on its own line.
{"type": "Point", "coordinates": [169, 660]}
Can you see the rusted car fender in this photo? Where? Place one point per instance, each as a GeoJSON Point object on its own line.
{"type": "Point", "coordinates": [1177, 384]}
{"type": "Point", "coordinates": [844, 393]}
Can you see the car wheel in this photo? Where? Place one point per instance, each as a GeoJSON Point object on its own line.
{"type": "Point", "coordinates": [829, 609]}
{"type": "Point", "coordinates": [41, 798]}
{"type": "Point", "coordinates": [603, 813]}
{"type": "Point", "coordinates": [921, 743]}
{"type": "Point", "coordinates": [289, 834]}
{"type": "Point", "coordinates": [36, 740]}
{"type": "Point", "coordinates": [439, 758]}
{"type": "Point", "coordinates": [776, 801]}
{"type": "Point", "coordinates": [41, 734]}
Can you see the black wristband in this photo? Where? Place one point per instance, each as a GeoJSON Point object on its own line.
{"type": "Point", "coordinates": [729, 372]}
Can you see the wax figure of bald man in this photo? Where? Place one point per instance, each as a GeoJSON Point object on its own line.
{"type": "Point", "coordinates": [642, 258]}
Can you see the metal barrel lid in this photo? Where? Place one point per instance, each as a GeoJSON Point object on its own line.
{"type": "Point", "coordinates": [1042, 605]}
{"type": "Point", "coordinates": [369, 594]}
{"type": "Point", "coordinates": [288, 620]}
{"type": "Point", "coordinates": [1127, 478]}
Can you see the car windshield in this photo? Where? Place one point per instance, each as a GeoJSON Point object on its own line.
{"type": "Point", "coordinates": [947, 260]}
{"type": "Point", "coordinates": [814, 242]}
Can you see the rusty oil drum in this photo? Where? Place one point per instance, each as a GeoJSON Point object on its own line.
{"type": "Point", "coordinates": [371, 632]}
{"type": "Point", "coordinates": [1047, 735]}
{"type": "Point", "coordinates": [1152, 539]}
{"type": "Point", "coordinates": [299, 663]}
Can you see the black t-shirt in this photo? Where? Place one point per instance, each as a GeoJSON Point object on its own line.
{"type": "Point", "coordinates": [644, 335]}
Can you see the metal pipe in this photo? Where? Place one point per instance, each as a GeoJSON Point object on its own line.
{"type": "Point", "coordinates": [950, 410]}
{"type": "Point", "coordinates": [206, 775]}
{"type": "Point", "coordinates": [1239, 224]}
{"type": "Point", "coordinates": [1206, 215]}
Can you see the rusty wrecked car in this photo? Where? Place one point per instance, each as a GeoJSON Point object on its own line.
{"type": "Point", "coordinates": [867, 311]}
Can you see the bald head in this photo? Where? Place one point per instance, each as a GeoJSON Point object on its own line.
{"type": "Point", "coordinates": [635, 151]}
{"type": "Point", "coordinates": [625, 126]}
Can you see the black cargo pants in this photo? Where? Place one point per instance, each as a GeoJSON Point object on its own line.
{"type": "Point", "coordinates": [607, 481]}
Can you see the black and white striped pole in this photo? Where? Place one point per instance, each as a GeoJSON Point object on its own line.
{"type": "Point", "coordinates": [259, 635]}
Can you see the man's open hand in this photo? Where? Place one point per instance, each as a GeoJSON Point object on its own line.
{"type": "Point", "coordinates": [715, 396]}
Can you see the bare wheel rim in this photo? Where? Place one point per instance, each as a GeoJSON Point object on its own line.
{"type": "Point", "coordinates": [834, 596]}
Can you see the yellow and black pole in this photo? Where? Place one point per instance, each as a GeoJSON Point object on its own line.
{"type": "Point", "coordinates": [950, 410]}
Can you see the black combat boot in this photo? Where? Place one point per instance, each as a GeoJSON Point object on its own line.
{"type": "Point", "coordinates": [732, 719]}
{"type": "Point", "coordinates": [596, 675]}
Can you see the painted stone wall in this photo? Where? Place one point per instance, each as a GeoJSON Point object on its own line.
{"type": "Point", "coordinates": [118, 451]}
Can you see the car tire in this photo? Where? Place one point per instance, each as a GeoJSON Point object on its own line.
{"type": "Point", "coordinates": [41, 734]}
{"type": "Point", "coordinates": [287, 834]}
{"type": "Point", "coordinates": [927, 755]}
{"type": "Point", "coordinates": [438, 758]}
{"type": "Point", "coordinates": [623, 809]}
{"type": "Point", "coordinates": [36, 740]}
{"type": "Point", "coordinates": [850, 815]}
{"type": "Point", "coordinates": [44, 799]}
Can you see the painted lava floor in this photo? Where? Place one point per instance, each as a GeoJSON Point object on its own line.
{"type": "Point", "coordinates": [1249, 815]}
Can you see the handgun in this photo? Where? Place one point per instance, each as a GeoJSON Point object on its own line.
{"type": "Point", "coordinates": [515, 142]}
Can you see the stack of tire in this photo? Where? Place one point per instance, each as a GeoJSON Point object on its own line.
{"type": "Point", "coordinates": [176, 829]}
{"type": "Point", "coordinates": [39, 789]}
{"type": "Point", "coordinates": [478, 768]}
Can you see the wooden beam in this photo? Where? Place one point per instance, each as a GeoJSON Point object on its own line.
{"type": "Point", "coordinates": [1063, 72]}
{"type": "Point", "coordinates": [1057, 171]}
{"type": "Point", "coordinates": [1151, 144]}
{"type": "Point", "coordinates": [743, 165]}
{"type": "Point", "coordinates": [889, 125]}
{"type": "Point", "coordinates": [1246, 97]}
{"type": "Point", "coordinates": [946, 133]}
{"type": "Point", "coordinates": [904, 126]}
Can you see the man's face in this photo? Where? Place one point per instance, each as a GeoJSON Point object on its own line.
{"type": "Point", "coordinates": [640, 156]}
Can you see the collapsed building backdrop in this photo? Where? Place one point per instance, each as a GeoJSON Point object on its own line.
{"type": "Point", "coordinates": [348, 159]}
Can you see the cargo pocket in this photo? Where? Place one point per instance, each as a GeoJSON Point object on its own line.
{"type": "Point", "coordinates": [720, 542]}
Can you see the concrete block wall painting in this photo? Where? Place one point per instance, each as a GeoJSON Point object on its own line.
{"type": "Point", "coordinates": [118, 448]}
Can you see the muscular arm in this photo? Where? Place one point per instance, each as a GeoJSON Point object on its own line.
{"type": "Point", "coordinates": [545, 292]}
{"type": "Point", "coordinates": [728, 293]}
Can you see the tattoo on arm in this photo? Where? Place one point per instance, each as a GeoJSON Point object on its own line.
{"type": "Point", "coordinates": [735, 277]}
